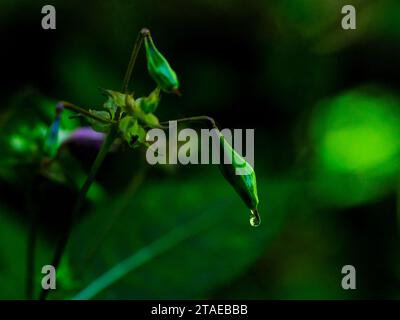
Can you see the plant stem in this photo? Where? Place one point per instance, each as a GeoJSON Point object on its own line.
{"type": "Point", "coordinates": [132, 61]}
{"type": "Point", "coordinates": [177, 235]}
{"type": "Point", "coordinates": [31, 244]}
{"type": "Point", "coordinates": [81, 198]}
{"type": "Point", "coordinates": [31, 261]}
{"type": "Point", "coordinates": [133, 186]}
{"type": "Point", "coordinates": [70, 106]}
{"type": "Point", "coordinates": [31, 258]}
{"type": "Point", "coordinates": [193, 119]}
{"type": "Point", "coordinates": [112, 135]}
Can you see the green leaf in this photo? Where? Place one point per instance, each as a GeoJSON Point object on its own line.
{"type": "Point", "coordinates": [149, 120]}
{"type": "Point", "coordinates": [131, 131]}
{"type": "Point", "coordinates": [124, 101]}
{"type": "Point", "coordinates": [117, 97]}
{"type": "Point", "coordinates": [110, 106]}
{"type": "Point", "coordinates": [150, 103]}
{"type": "Point", "coordinates": [97, 125]}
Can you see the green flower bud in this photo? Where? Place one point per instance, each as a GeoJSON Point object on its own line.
{"type": "Point", "coordinates": [245, 183]}
{"type": "Point", "coordinates": [116, 99]}
{"type": "Point", "coordinates": [130, 104]}
{"type": "Point", "coordinates": [150, 103]}
{"type": "Point", "coordinates": [159, 67]}
{"type": "Point", "coordinates": [131, 131]}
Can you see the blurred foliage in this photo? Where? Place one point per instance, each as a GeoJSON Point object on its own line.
{"type": "Point", "coordinates": [24, 130]}
{"type": "Point", "coordinates": [325, 107]}
{"type": "Point", "coordinates": [13, 236]}
{"type": "Point", "coordinates": [202, 245]}
{"type": "Point", "coordinates": [357, 137]}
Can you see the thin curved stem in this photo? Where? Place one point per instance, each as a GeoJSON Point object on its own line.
{"type": "Point", "coordinates": [31, 245]}
{"type": "Point", "coordinates": [72, 107]}
{"type": "Point", "coordinates": [133, 186]}
{"type": "Point", "coordinates": [132, 61]}
{"type": "Point", "coordinates": [161, 245]}
{"type": "Point", "coordinates": [30, 267]}
{"type": "Point", "coordinates": [81, 198]}
{"type": "Point", "coordinates": [112, 135]}
{"type": "Point", "coordinates": [131, 64]}
{"type": "Point", "coordinates": [192, 119]}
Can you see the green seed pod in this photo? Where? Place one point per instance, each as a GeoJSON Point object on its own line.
{"type": "Point", "coordinates": [132, 132]}
{"type": "Point", "coordinates": [159, 67]}
{"type": "Point", "coordinates": [245, 183]}
{"type": "Point", "coordinates": [150, 103]}
{"type": "Point", "coordinates": [130, 104]}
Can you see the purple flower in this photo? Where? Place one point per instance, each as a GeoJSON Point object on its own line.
{"type": "Point", "coordinates": [86, 136]}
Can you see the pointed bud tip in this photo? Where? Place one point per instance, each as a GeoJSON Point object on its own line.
{"type": "Point", "coordinates": [145, 32]}
{"type": "Point", "coordinates": [177, 92]}
{"type": "Point", "coordinates": [59, 107]}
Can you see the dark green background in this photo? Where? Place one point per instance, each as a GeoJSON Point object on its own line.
{"type": "Point", "coordinates": [326, 112]}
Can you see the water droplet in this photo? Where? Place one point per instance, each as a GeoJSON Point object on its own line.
{"type": "Point", "coordinates": [255, 219]}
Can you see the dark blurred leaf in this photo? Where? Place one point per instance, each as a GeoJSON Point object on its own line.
{"type": "Point", "coordinates": [23, 130]}
{"type": "Point", "coordinates": [13, 257]}
{"type": "Point", "coordinates": [173, 249]}
{"type": "Point", "coordinates": [356, 136]}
